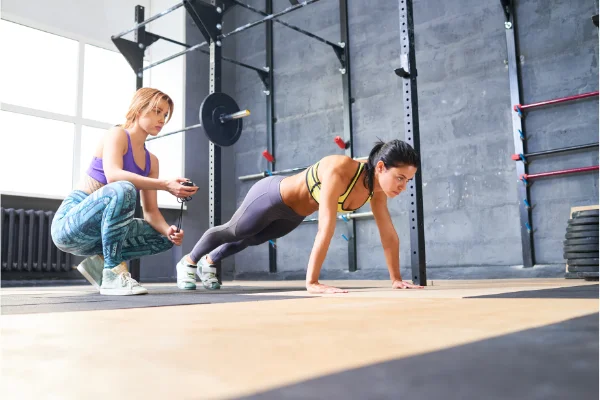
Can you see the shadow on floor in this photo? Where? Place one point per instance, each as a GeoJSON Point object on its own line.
{"type": "Point", "coordinates": [558, 361]}
{"type": "Point", "coordinates": [572, 292]}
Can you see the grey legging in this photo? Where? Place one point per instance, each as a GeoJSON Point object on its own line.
{"type": "Point", "coordinates": [261, 217]}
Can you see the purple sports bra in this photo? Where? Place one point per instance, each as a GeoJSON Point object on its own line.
{"type": "Point", "coordinates": [96, 170]}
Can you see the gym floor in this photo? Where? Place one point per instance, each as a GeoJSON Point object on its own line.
{"type": "Point", "coordinates": [492, 339]}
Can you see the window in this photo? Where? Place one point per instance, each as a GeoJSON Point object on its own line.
{"type": "Point", "coordinates": [38, 160]}
{"type": "Point", "coordinates": [89, 141]}
{"type": "Point", "coordinates": [43, 79]}
{"type": "Point", "coordinates": [61, 99]}
{"type": "Point", "coordinates": [168, 151]}
{"type": "Point", "coordinates": [108, 85]}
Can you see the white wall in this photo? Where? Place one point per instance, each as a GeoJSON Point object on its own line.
{"type": "Point", "coordinates": [170, 78]}
{"type": "Point", "coordinates": [93, 20]}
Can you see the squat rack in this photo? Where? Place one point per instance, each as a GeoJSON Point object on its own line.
{"type": "Point", "coordinates": [521, 157]}
{"type": "Point", "coordinates": [208, 17]}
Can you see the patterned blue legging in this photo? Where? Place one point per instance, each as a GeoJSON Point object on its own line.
{"type": "Point", "coordinates": [103, 223]}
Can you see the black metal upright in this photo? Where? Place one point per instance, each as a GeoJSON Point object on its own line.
{"type": "Point", "coordinates": [139, 38]}
{"type": "Point", "coordinates": [347, 101]}
{"type": "Point", "coordinates": [519, 137]}
{"type": "Point", "coordinates": [410, 109]}
{"type": "Point", "coordinates": [270, 98]}
{"type": "Point", "coordinates": [214, 150]}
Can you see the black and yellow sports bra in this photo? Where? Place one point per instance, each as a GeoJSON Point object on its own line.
{"type": "Point", "coordinates": [314, 186]}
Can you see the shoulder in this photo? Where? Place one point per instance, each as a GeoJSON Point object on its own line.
{"type": "Point", "coordinates": [340, 168]}
{"type": "Point", "coordinates": [116, 134]}
{"type": "Point", "coordinates": [338, 164]}
{"type": "Point", "coordinates": [153, 158]}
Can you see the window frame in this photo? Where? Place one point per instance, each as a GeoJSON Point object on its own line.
{"type": "Point", "coordinates": [78, 121]}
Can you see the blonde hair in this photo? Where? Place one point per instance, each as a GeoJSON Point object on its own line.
{"type": "Point", "coordinates": [144, 100]}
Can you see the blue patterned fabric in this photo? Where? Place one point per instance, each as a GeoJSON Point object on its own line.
{"type": "Point", "coordinates": [103, 223]}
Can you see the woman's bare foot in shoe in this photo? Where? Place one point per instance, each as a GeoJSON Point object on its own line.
{"type": "Point", "coordinates": [189, 260]}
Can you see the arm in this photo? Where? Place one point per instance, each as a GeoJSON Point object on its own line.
{"type": "Point", "coordinates": [115, 145]}
{"type": "Point", "coordinates": [388, 235]}
{"type": "Point", "coordinates": [330, 190]}
{"type": "Point", "coordinates": [389, 241]}
{"type": "Point", "coordinates": [152, 214]}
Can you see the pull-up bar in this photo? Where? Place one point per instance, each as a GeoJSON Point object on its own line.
{"type": "Point", "coordinates": [164, 60]}
{"type": "Point", "coordinates": [320, 39]}
{"type": "Point", "coordinates": [155, 17]}
{"type": "Point", "coordinates": [267, 18]}
{"type": "Point", "coordinates": [522, 157]}
{"type": "Point", "coordinates": [524, 177]}
{"type": "Point", "coordinates": [223, 36]}
{"type": "Point", "coordinates": [520, 107]}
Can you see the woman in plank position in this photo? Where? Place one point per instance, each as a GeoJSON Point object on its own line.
{"type": "Point", "coordinates": [276, 205]}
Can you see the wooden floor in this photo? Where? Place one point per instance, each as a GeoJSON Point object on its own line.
{"type": "Point", "coordinates": [237, 349]}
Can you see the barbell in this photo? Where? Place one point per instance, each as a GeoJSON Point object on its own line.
{"type": "Point", "coordinates": [220, 118]}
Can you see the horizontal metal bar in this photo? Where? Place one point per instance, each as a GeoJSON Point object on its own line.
{"type": "Point", "coordinates": [561, 172]}
{"type": "Point", "coordinates": [267, 18]}
{"type": "Point", "coordinates": [236, 115]}
{"type": "Point", "coordinates": [175, 7]}
{"type": "Point", "coordinates": [280, 172]}
{"type": "Point", "coordinates": [553, 151]}
{"type": "Point", "coordinates": [196, 47]}
{"type": "Point", "coordinates": [265, 174]}
{"type": "Point", "coordinates": [174, 132]}
{"type": "Point", "coordinates": [289, 25]}
{"type": "Point", "coordinates": [241, 64]}
{"type": "Point", "coordinates": [555, 101]}
{"type": "Point", "coordinates": [341, 217]}
{"type": "Point", "coordinates": [169, 39]}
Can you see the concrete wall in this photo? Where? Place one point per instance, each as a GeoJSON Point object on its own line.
{"type": "Point", "coordinates": [470, 196]}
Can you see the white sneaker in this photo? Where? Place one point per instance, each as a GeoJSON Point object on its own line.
{"type": "Point", "coordinates": [92, 269]}
{"type": "Point", "coordinates": [208, 275]}
{"type": "Point", "coordinates": [116, 282]}
{"type": "Point", "coordinates": [186, 275]}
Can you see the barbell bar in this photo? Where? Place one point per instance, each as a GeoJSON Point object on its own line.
{"type": "Point", "coordinates": [220, 117]}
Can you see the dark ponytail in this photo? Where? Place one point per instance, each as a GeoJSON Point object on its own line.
{"type": "Point", "coordinates": [395, 153]}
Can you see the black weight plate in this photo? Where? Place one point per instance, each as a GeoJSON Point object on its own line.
{"type": "Point", "coordinates": [574, 242]}
{"type": "Point", "coordinates": [572, 255]}
{"type": "Point", "coordinates": [584, 221]}
{"type": "Point", "coordinates": [579, 235]}
{"type": "Point", "coordinates": [581, 248]}
{"type": "Point", "coordinates": [213, 107]}
{"type": "Point", "coordinates": [586, 213]}
{"type": "Point", "coordinates": [590, 262]}
{"type": "Point", "coordinates": [581, 228]}
{"type": "Point", "coordinates": [583, 269]}
{"type": "Point", "coordinates": [588, 276]}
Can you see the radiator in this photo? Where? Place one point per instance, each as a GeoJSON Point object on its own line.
{"type": "Point", "coordinates": [27, 244]}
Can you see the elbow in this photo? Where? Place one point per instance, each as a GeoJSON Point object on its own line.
{"type": "Point", "coordinates": [111, 175]}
